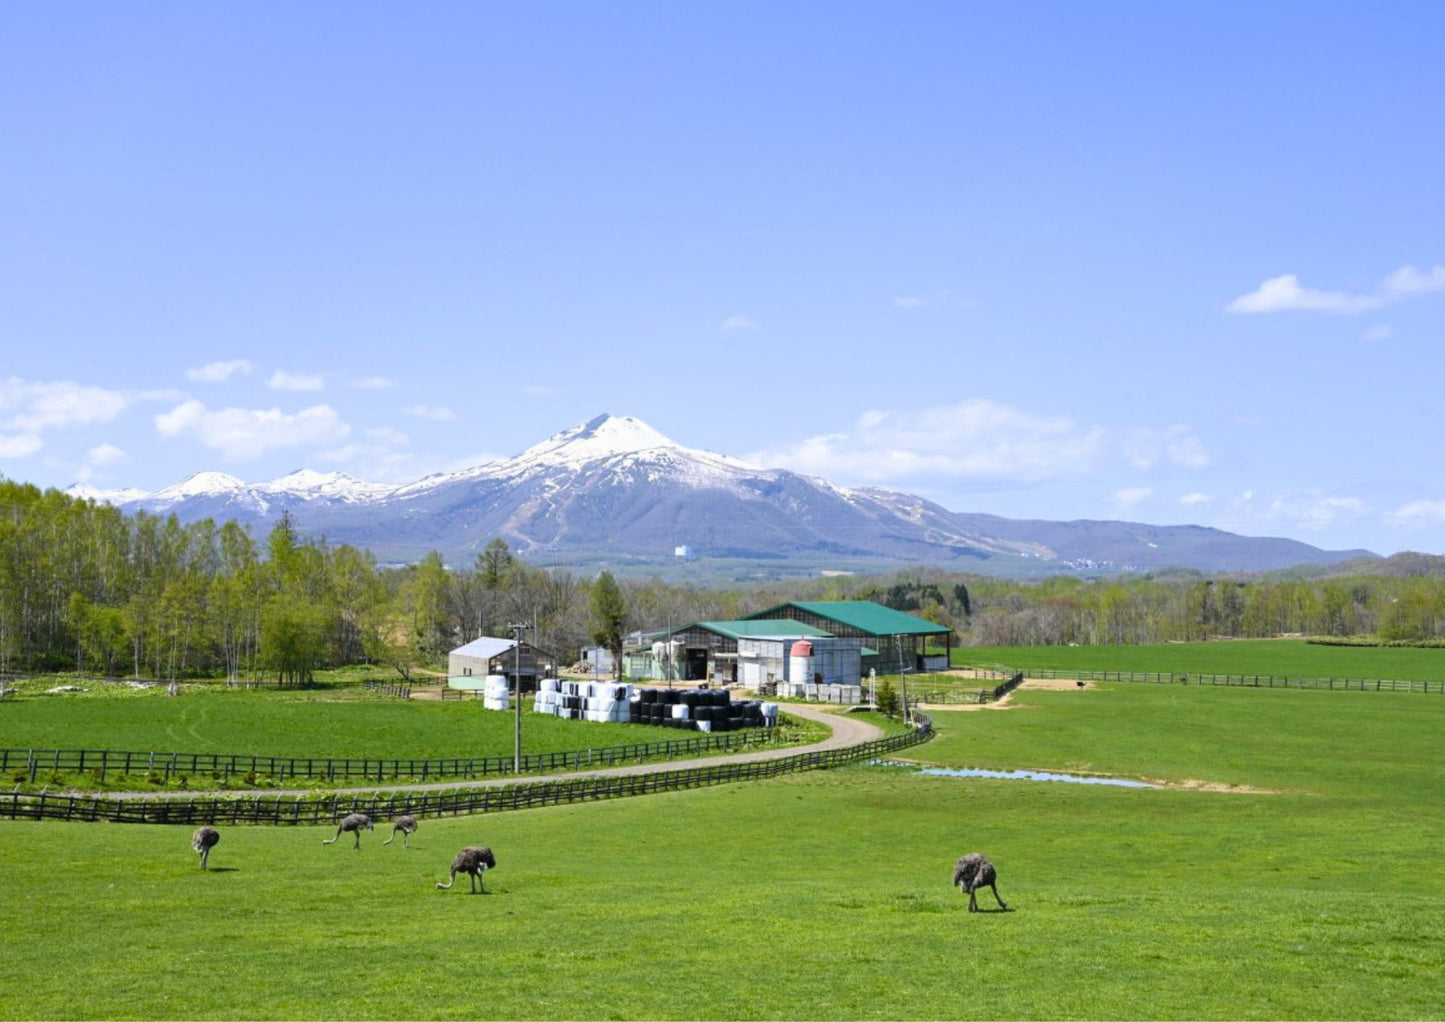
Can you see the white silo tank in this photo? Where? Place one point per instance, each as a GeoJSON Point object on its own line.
{"type": "Point", "coordinates": [800, 662]}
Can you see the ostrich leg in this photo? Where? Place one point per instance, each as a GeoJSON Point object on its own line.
{"type": "Point", "coordinates": [1002, 904]}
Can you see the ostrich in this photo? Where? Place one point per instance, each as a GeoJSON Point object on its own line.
{"type": "Point", "coordinates": [353, 824]}
{"type": "Point", "coordinates": [203, 840]}
{"type": "Point", "coordinates": [972, 872]}
{"type": "Point", "coordinates": [474, 862]}
{"type": "Point", "coordinates": [407, 826]}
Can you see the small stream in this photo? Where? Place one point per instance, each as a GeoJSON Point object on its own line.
{"type": "Point", "coordinates": [1015, 775]}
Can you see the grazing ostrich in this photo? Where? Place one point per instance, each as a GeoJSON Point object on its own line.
{"type": "Point", "coordinates": [972, 872]}
{"type": "Point", "coordinates": [474, 862]}
{"type": "Point", "coordinates": [407, 826]}
{"type": "Point", "coordinates": [353, 824]}
{"type": "Point", "coordinates": [203, 840]}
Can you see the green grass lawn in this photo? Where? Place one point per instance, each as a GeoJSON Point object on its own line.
{"type": "Point", "coordinates": [1283, 658]}
{"type": "Point", "coordinates": [316, 724]}
{"type": "Point", "coordinates": [812, 896]}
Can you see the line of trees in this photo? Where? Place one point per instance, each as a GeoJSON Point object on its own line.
{"type": "Point", "coordinates": [1179, 606]}
{"type": "Point", "coordinates": [85, 587]}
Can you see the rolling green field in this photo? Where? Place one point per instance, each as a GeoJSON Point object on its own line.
{"type": "Point", "coordinates": [822, 895]}
{"type": "Point", "coordinates": [318, 724]}
{"type": "Point", "coordinates": [1283, 658]}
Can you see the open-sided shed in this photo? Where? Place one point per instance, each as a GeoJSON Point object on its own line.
{"type": "Point", "coordinates": [895, 641]}
{"type": "Point", "coordinates": [469, 665]}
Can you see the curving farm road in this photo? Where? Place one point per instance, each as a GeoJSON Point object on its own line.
{"type": "Point", "coordinates": [847, 731]}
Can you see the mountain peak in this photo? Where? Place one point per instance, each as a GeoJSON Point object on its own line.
{"type": "Point", "coordinates": [603, 437]}
{"type": "Point", "coordinates": [200, 483]}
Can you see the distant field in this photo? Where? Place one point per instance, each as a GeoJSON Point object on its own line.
{"type": "Point", "coordinates": [812, 896]}
{"type": "Point", "coordinates": [272, 723]}
{"type": "Point", "coordinates": [1292, 658]}
{"type": "Point", "coordinates": [1347, 744]}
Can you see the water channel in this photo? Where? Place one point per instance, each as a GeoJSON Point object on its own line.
{"type": "Point", "coordinates": [1016, 775]}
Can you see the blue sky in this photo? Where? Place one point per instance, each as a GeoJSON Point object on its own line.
{"type": "Point", "coordinates": [1165, 262]}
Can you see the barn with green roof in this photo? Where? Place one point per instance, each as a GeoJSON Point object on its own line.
{"type": "Point", "coordinates": [893, 641]}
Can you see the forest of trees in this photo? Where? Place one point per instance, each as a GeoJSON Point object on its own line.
{"type": "Point", "coordinates": [84, 587]}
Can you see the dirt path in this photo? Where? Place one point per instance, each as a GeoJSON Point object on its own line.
{"type": "Point", "coordinates": [847, 731]}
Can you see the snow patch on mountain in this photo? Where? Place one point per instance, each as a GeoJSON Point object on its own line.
{"type": "Point", "coordinates": [201, 484]}
{"type": "Point", "coordinates": [309, 484]}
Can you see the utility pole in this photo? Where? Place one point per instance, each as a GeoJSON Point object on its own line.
{"type": "Point", "coordinates": [517, 629]}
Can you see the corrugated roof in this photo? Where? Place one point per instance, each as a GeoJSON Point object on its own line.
{"type": "Point", "coordinates": [873, 618]}
{"type": "Point", "coordinates": [485, 647]}
{"type": "Point", "coordinates": [767, 629]}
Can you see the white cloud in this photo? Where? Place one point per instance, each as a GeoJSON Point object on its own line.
{"type": "Point", "coordinates": [100, 456]}
{"type": "Point", "coordinates": [1378, 332]}
{"type": "Point", "coordinates": [977, 439]}
{"type": "Point", "coordinates": [1195, 499]}
{"type": "Point", "coordinates": [538, 390]}
{"type": "Point", "coordinates": [1409, 281]}
{"type": "Point", "coordinates": [219, 372]}
{"type": "Point", "coordinates": [436, 413]}
{"type": "Point", "coordinates": [1283, 293]}
{"type": "Point", "coordinates": [281, 380]}
{"type": "Point", "coordinates": [1177, 445]}
{"type": "Point", "coordinates": [1417, 514]}
{"type": "Point", "coordinates": [105, 454]}
{"type": "Point", "coordinates": [939, 299]}
{"type": "Point", "coordinates": [32, 407]}
{"type": "Point", "coordinates": [739, 323]}
{"type": "Point", "coordinates": [20, 446]}
{"type": "Point", "coordinates": [242, 434]}
{"type": "Point", "coordinates": [1309, 510]}
{"type": "Point", "coordinates": [373, 383]}
{"type": "Point", "coordinates": [1127, 499]}
{"type": "Point", "coordinates": [387, 435]}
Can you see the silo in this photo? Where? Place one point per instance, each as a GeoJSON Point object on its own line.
{"type": "Point", "coordinates": [800, 662]}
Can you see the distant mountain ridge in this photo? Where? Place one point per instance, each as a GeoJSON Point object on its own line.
{"type": "Point", "coordinates": [614, 487]}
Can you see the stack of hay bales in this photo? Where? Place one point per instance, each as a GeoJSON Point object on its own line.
{"type": "Point", "coordinates": [494, 695]}
{"type": "Point", "coordinates": [596, 701]}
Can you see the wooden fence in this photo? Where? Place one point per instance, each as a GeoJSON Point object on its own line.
{"type": "Point", "coordinates": [387, 688]}
{"type": "Point", "coordinates": [963, 695]}
{"type": "Point", "coordinates": [40, 762]}
{"type": "Point", "coordinates": [1246, 680]}
{"type": "Point", "coordinates": [309, 810]}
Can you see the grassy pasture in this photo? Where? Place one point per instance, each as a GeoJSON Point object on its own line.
{"type": "Point", "coordinates": [1281, 658]}
{"type": "Point", "coordinates": [819, 896]}
{"type": "Point", "coordinates": [295, 723]}
{"type": "Point", "coordinates": [318, 724]}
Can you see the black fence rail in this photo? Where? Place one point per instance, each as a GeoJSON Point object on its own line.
{"type": "Point", "coordinates": [388, 689]}
{"type": "Point", "coordinates": [968, 695]}
{"type": "Point", "coordinates": [1246, 680]}
{"type": "Point", "coordinates": [301, 810]}
{"type": "Point", "coordinates": [21, 765]}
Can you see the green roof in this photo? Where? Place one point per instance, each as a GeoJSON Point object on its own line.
{"type": "Point", "coordinates": [771, 628]}
{"type": "Point", "coordinates": [872, 618]}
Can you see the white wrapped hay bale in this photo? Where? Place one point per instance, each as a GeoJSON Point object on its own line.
{"type": "Point", "coordinates": [681, 711]}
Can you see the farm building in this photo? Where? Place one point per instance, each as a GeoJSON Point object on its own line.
{"type": "Point", "coordinates": [894, 641]}
{"type": "Point", "coordinates": [821, 660]}
{"type": "Point", "coordinates": [707, 650]}
{"type": "Point", "coordinates": [468, 666]}
{"type": "Point", "coordinates": [598, 659]}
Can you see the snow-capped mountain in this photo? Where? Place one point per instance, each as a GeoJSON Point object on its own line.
{"type": "Point", "coordinates": [614, 488]}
